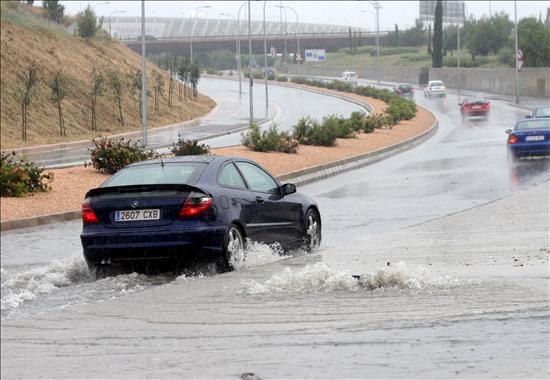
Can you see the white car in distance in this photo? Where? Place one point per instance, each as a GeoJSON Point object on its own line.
{"type": "Point", "coordinates": [349, 77]}
{"type": "Point", "coordinates": [435, 88]}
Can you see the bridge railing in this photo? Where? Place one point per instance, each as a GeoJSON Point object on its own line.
{"type": "Point", "coordinates": [245, 36]}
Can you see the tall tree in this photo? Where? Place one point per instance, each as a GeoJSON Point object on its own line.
{"type": "Point", "coordinates": [170, 62]}
{"type": "Point", "coordinates": [534, 41]}
{"type": "Point", "coordinates": [429, 47]}
{"type": "Point", "coordinates": [55, 10]}
{"type": "Point", "coordinates": [95, 92]}
{"type": "Point", "coordinates": [58, 93]}
{"type": "Point", "coordinates": [86, 23]}
{"type": "Point", "coordinates": [116, 84]}
{"type": "Point", "coordinates": [25, 94]}
{"type": "Point", "coordinates": [437, 55]}
{"type": "Point", "coordinates": [158, 86]}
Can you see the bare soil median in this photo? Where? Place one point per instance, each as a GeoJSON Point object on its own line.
{"type": "Point", "coordinates": [71, 184]}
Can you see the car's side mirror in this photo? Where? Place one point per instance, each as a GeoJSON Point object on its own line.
{"type": "Point", "coordinates": [527, 116]}
{"type": "Point", "coordinates": [508, 131]}
{"type": "Point", "coordinates": [459, 104]}
{"type": "Point", "coordinates": [288, 188]}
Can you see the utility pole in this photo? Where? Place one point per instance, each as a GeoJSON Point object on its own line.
{"type": "Point", "coordinates": [239, 66]}
{"type": "Point", "coordinates": [251, 80]}
{"type": "Point", "coordinates": [377, 8]}
{"type": "Point", "coordinates": [265, 69]}
{"type": "Point", "coordinates": [516, 51]}
{"type": "Point", "coordinates": [143, 80]}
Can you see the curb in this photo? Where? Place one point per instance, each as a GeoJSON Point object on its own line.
{"type": "Point", "coordinates": [299, 177]}
{"type": "Point", "coordinates": [315, 173]}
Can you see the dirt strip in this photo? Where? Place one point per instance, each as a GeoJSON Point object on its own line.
{"type": "Point", "coordinates": [71, 184]}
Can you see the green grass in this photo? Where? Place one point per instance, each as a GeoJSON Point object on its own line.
{"type": "Point", "coordinates": [15, 13]}
{"type": "Point", "coordinates": [414, 59]}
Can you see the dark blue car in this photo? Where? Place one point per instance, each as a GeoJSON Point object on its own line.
{"type": "Point", "coordinates": [193, 206]}
{"type": "Point", "coordinates": [530, 138]}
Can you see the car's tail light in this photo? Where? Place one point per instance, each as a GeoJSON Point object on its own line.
{"type": "Point", "coordinates": [195, 204]}
{"type": "Point", "coordinates": [512, 139]}
{"type": "Point", "coordinates": [88, 214]}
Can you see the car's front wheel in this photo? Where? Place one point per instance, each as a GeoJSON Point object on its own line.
{"type": "Point", "coordinates": [313, 235]}
{"type": "Point", "coordinates": [234, 246]}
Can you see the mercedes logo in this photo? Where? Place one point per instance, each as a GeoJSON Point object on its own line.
{"type": "Point", "coordinates": [135, 204]}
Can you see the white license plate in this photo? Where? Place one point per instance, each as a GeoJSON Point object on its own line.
{"type": "Point", "coordinates": [136, 215]}
{"type": "Point", "coordinates": [534, 138]}
{"type": "Point", "coordinates": [476, 107]}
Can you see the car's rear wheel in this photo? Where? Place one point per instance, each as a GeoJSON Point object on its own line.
{"type": "Point", "coordinates": [234, 246]}
{"type": "Point", "coordinates": [312, 235]}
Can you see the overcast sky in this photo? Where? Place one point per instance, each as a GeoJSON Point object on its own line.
{"type": "Point", "coordinates": [402, 13]}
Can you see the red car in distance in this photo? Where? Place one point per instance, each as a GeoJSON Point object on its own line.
{"type": "Point", "coordinates": [474, 107]}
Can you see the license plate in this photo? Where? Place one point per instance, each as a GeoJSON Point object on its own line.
{"type": "Point", "coordinates": [476, 107]}
{"type": "Point", "coordinates": [534, 138]}
{"type": "Point", "coordinates": [136, 215]}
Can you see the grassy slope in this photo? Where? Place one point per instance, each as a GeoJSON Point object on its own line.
{"type": "Point", "coordinates": [343, 58]}
{"type": "Point", "coordinates": [50, 48]}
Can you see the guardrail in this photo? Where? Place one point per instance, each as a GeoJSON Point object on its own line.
{"type": "Point", "coordinates": [150, 38]}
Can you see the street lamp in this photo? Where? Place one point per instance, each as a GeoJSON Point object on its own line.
{"type": "Point", "coordinates": [192, 27]}
{"type": "Point", "coordinates": [516, 51]}
{"type": "Point", "coordinates": [111, 15]}
{"type": "Point", "coordinates": [265, 69]}
{"type": "Point", "coordinates": [251, 80]}
{"type": "Point", "coordinates": [104, 3]}
{"type": "Point", "coordinates": [297, 25]}
{"type": "Point", "coordinates": [236, 39]}
{"type": "Point", "coordinates": [283, 9]}
{"type": "Point", "coordinates": [239, 69]}
{"type": "Point", "coordinates": [377, 8]}
{"type": "Point", "coordinates": [143, 80]}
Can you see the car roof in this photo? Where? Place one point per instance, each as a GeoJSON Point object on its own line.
{"type": "Point", "coordinates": [206, 159]}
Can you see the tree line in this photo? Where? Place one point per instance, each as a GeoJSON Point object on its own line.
{"type": "Point", "coordinates": [110, 82]}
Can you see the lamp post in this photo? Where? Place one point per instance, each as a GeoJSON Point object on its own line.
{"type": "Point", "coordinates": [282, 9]}
{"type": "Point", "coordinates": [265, 69]}
{"type": "Point", "coordinates": [111, 15]}
{"type": "Point", "coordinates": [192, 27]}
{"type": "Point", "coordinates": [516, 49]}
{"type": "Point", "coordinates": [251, 80]}
{"type": "Point", "coordinates": [236, 39]}
{"type": "Point", "coordinates": [239, 49]}
{"type": "Point", "coordinates": [377, 8]}
{"type": "Point", "coordinates": [297, 25]}
{"type": "Point", "coordinates": [104, 3]}
{"type": "Point", "coordinates": [143, 80]}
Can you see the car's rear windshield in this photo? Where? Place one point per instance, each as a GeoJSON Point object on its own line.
{"type": "Point", "coordinates": [437, 83]}
{"type": "Point", "coordinates": [542, 112]}
{"type": "Point", "coordinates": [528, 125]}
{"type": "Point", "coordinates": [158, 174]}
{"type": "Point", "coordinates": [405, 86]}
{"type": "Point", "coordinates": [475, 101]}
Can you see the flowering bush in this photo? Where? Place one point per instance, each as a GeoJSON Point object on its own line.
{"type": "Point", "coordinates": [184, 147]}
{"type": "Point", "coordinates": [110, 156]}
{"type": "Point", "coordinates": [20, 177]}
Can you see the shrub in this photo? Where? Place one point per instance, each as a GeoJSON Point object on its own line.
{"type": "Point", "coordinates": [506, 56]}
{"type": "Point", "coordinates": [19, 178]}
{"type": "Point", "coordinates": [282, 78]}
{"type": "Point", "coordinates": [356, 120]}
{"type": "Point", "coordinates": [184, 147]}
{"type": "Point", "coordinates": [341, 126]}
{"type": "Point", "coordinates": [110, 156]}
{"type": "Point", "coordinates": [374, 121]}
{"type": "Point", "coordinates": [401, 109]}
{"type": "Point", "coordinates": [268, 141]}
{"type": "Point", "coordinates": [310, 132]}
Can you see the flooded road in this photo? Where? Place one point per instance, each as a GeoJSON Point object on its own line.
{"type": "Point", "coordinates": [434, 263]}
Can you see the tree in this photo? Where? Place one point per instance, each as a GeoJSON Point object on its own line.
{"type": "Point", "coordinates": [58, 92]}
{"type": "Point", "coordinates": [158, 86]}
{"type": "Point", "coordinates": [194, 76]}
{"type": "Point", "coordinates": [534, 41]}
{"type": "Point", "coordinates": [135, 88]}
{"type": "Point", "coordinates": [415, 36]}
{"type": "Point", "coordinates": [95, 92]}
{"type": "Point", "coordinates": [350, 40]}
{"type": "Point", "coordinates": [116, 84]}
{"type": "Point", "coordinates": [86, 23]}
{"type": "Point", "coordinates": [25, 94]}
{"type": "Point", "coordinates": [183, 75]}
{"type": "Point", "coordinates": [429, 47]}
{"type": "Point", "coordinates": [171, 70]}
{"type": "Point", "coordinates": [437, 54]}
{"type": "Point", "coordinates": [488, 35]}
{"type": "Point", "coordinates": [55, 10]}
{"type": "Point", "coordinates": [450, 38]}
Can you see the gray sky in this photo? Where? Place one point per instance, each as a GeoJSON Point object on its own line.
{"type": "Point", "coordinates": [330, 12]}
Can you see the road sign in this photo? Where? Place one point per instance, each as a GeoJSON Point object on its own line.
{"type": "Point", "coordinates": [315, 55]}
{"type": "Point", "coordinates": [453, 11]}
{"type": "Point", "coordinates": [519, 58]}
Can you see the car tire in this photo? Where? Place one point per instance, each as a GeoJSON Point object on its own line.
{"type": "Point", "coordinates": [234, 246]}
{"type": "Point", "coordinates": [312, 230]}
{"type": "Point", "coordinates": [104, 271]}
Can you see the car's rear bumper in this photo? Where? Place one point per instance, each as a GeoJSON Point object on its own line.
{"type": "Point", "coordinates": [436, 92]}
{"type": "Point", "coordinates": [531, 149]}
{"type": "Point", "coordinates": [476, 112]}
{"type": "Point", "coordinates": [151, 244]}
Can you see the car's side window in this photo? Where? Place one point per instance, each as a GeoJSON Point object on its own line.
{"type": "Point", "coordinates": [230, 176]}
{"type": "Point", "coordinates": [257, 179]}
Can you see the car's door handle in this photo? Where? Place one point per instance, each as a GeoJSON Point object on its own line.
{"type": "Point", "coordinates": [259, 199]}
